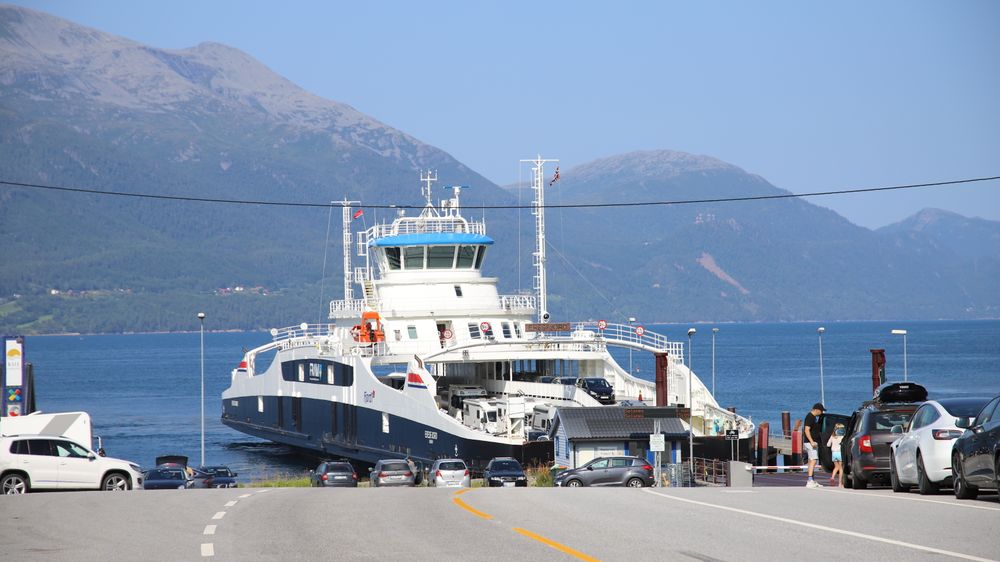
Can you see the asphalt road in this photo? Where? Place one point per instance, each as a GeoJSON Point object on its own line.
{"type": "Point", "coordinates": [498, 524]}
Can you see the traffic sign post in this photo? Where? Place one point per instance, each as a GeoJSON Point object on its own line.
{"type": "Point", "coordinates": [657, 444]}
{"type": "Point", "coordinates": [733, 436]}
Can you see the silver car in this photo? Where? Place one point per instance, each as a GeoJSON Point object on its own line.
{"type": "Point", "coordinates": [450, 473]}
{"type": "Point", "coordinates": [392, 472]}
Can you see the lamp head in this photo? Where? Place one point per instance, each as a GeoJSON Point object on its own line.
{"type": "Point", "coordinates": [898, 332]}
{"type": "Point", "coordinates": [820, 330]}
{"type": "Point", "coordinates": [201, 316]}
{"type": "Point", "coordinates": [691, 332]}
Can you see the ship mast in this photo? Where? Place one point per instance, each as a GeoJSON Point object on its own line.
{"type": "Point", "coordinates": [538, 184]}
{"type": "Point", "coordinates": [347, 218]}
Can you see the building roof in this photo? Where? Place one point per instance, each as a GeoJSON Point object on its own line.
{"type": "Point", "coordinates": [610, 423]}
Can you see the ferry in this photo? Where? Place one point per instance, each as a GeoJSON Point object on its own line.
{"type": "Point", "coordinates": [431, 361]}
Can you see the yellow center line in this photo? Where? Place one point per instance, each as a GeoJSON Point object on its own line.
{"type": "Point", "coordinates": [560, 547]}
{"type": "Point", "coordinates": [458, 501]}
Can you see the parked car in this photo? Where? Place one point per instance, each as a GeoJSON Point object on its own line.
{"type": "Point", "coordinates": [339, 474]}
{"type": "Point", "coordinates": [599, 388]}
{"type": "Point", "coordinates": [392, 472]}
{"type": "Point", "coordinates": [865, 448]}
{"type": "Point", "coordinates": [39, 462]}
{"type": "Point", "coordinates": [571, 381]}
{"type": "Point", "coordinates": [218, 476]}
{"type": "Point", "coordinates": [167, 479]}
{"type": "Point", "coordinates": [975, 457]}
{"type": "Point", "coordinates": [921, 456]}
{"type": "Point", "coordinates": [449, 473]}
{"type": "Point", "coordinates": [634, 472]}
{"type": "Point", "coordinates": [504, 471]}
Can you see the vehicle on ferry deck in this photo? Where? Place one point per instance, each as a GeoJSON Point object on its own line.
{"type": "Point", "coordinates": [599, 388]}
{"type": "Point", "coordinates": [505, 472]}
{"type": "Point", "coordinates": [634, 472]}
{"type": "Point", "coordinates": [339, 474]}
{"type": "Point", "coordinates": [865, 447]}
{"type": "Point", "coordinates": [921, 456]}
{"type": "Point", "coordinates": [392, 472]}
{"type": "Point", "coordinates": [975, 457]}
{"type": "Point", "coordinates": [449, 473]}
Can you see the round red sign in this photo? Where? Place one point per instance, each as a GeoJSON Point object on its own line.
{"type": "Point", "coordinates": [602, 324]}
{"type": "Point", "coordinates": [639, 330]}
{"type": "Point", "coordinates": [484, 326]}
{"type": "Point", "coordinates": [447, 334]}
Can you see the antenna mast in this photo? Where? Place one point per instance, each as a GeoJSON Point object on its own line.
{"type": "Point", "coordinates": [347, 218]}
{"type": "Point", "coordinates": [538, 184]}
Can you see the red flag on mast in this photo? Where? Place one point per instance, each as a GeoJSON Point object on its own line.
{"type": "Point", "coordinates": [555, 178]}
{"type": "Point", "coordinates": [358, 213]}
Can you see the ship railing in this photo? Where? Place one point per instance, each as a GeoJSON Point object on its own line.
{"type": "Point", "coordinates": [422, 225]}
{"type": "Point", "coordinates": [347, 308]}
{"type": "Point", "coordinates": [517, 303]}
{"type": "Point", "coordinates": [628, 336]}
{"type": "Point", "coordinates": [301, 331]}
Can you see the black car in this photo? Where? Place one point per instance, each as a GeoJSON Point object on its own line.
{"type": "Point", "coordinates": [167, 479]}
{"type": "Point", "coordinates": [217, 476]}
{"type": "Point", "coordinates": [865, 448]}
{"type": "Point", "coordinates": [599, 388]}
{"type": "Point", "coordinates": [504, 471]}
{"type": "Point", "coordinates": [339, 474]}
{"type": "Point", "coordinates": [975, 456]}
{"type": "Point", "coordinates": [634, 472]}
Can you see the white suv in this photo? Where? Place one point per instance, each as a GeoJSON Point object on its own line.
{"type": "Point", "coordinates": [37, 462]}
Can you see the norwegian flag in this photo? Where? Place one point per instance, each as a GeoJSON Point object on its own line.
{"type": "Point", "coordinates": [358, 213]}
{"type": "Point", "coordinates": [555, 178]}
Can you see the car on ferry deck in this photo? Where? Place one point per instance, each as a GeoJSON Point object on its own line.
{"type": "Point", "coordinates": [599, 388]}
{"type": "Point", "coordinates": [504, 472]}
{"type": "Point", "coordinates": [340, 474]}
{"type": "Point", "coordinates": [865, 448]}
{"type": "Point", "coordinates": [449, 473]}
{"type": "Point", "coordinates": [921, 456]}
{"type": "Point", "coordinates": [975, 457]}
{"type": "Point", "coordinates": [392, 472]}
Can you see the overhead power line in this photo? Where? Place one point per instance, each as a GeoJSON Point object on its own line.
{"type": "Point", "coordinates": [560, 206]}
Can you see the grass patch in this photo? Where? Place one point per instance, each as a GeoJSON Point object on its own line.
{"type": "Point", "coordinates": [539, 476]}
{"type": "Point", "coordinates": [280, 481]}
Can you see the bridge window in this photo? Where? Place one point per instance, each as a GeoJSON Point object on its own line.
{"type": "Point", "coordinates": [474, 331]}
{"type": "Point", "coordinates": [413, 257]}
{"type": "Point", "coordinates": [517, 330]}
{"type": "Point", "coordinates": [440, 257]}
{"type": "Point", "coordinates": [412, 332]}
{"type": "Point", "coordinates": [458, 290]}
{"type": "Point", "coordinates": [506, 329]}
{"type": "Point", "coordinates": [392, 255]}
{"type": "Point", "coordinates": [466, 256]}
{"type": "Point", "coordinates": [479, 257]}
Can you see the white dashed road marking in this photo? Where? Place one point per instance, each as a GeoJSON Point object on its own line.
{"type": "Point", "coordinates": [219, 515]}
{"type": "Point", "coordinates": [209, 530]}
{"type": "Point", "coordinates": [207, 549]}
{"type": "Point", "coordinates": [231, 504]}
{"type": "Point", "coordinates": [824, 528]}
{"type": "Point", "coordinates": [245, 496]}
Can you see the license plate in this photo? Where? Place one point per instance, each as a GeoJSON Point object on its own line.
{"type": "Point", "coordinates": [340, 478]}
{"type": "Point", "coordinates": [508, 484]}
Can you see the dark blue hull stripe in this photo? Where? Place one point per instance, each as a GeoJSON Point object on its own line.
{"type": "Point", "coordinates": [354, 432]}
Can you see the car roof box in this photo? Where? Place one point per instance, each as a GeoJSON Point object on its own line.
{"type": "Point", "coordinates": [892, 392]}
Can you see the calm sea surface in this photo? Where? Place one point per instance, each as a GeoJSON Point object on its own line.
{"type": "Point", "coordinates": [142, 390]}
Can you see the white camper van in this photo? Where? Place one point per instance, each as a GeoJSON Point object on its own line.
{"type": "Point", "coordinates": [72, 425]}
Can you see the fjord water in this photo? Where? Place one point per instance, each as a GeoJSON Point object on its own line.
{"type": "Point", "coordinates": [142, 390]}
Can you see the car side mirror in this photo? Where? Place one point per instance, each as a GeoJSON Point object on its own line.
{"type": "Point", "coordinates": [590, 468]}
{"type": "Point", "coordinates": [91, 456]}
{"type": "Point", "coordinates": [964, 423]}
{"type": "Point", "coordinates": [896, 429]}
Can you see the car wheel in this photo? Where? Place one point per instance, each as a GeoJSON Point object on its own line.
{"type": "Point", "coordinates": [15, 484]}
{"type": "Point", "coordinates": [963, 490]}
{"type": "Point", "coordinates": [115, 482]}
{"type": "Point", "coordinates": [574, 484]}
{"type": "Point", "coordinates": [897, 486]}
{"type": "Point", "coordinates": [635, 483]}
{"type": "Point", "coordinates": [924, 484]}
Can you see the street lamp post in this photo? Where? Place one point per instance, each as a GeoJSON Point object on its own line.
{"type": "Point", "coordinates": [903, 333]}
{"type": "Point", "coordinates": [822, 392]}
{"type": "Point", "coordinates": [714, 331]}
{"type": "Point", "coordinates": [631, 320]}
{"type": "Point", "coordinates": [691, 332]}
{"type": "Point", "coordinates": [201, 318]}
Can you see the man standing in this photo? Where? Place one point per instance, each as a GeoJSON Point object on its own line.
{"type": "Point", "coordinates": [811, 435]}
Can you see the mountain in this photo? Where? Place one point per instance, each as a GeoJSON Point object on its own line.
{"type": "Point", "coordinates": [82, 108]}
{"type": "Point", "coordinates": [783, 259]}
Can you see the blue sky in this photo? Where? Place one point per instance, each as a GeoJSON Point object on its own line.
{"type": "Point", "coordinates": [809, 96]}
